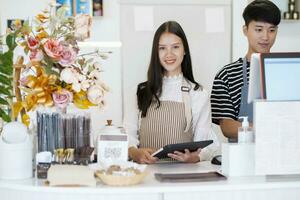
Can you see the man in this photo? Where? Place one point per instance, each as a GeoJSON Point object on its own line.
{"type": "Point", "coordinates": [230, 87]}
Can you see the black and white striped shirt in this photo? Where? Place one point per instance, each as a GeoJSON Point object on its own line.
{"type": "Point", "coordinates": [226, 91]}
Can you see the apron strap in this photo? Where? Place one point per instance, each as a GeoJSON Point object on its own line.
{"type": "Point", "coordinates": [244, 71]}
{"type": "Point", "coordinates": [185, 88]}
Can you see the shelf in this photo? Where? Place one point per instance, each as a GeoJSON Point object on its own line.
{"type": "Point", "coordinates": [290, 20]}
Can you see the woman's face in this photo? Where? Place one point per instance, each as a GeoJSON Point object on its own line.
{"type": "Point", "coordinates": [171, 53]}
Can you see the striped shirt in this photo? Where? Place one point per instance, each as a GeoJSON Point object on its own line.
{"type": "Point", "coordinates": [226, 91]}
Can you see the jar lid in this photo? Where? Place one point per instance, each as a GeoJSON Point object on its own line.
{"type": "Point", "coordinates": [14, 133]}
{"type": "Point", "coordinates": [110, 128]}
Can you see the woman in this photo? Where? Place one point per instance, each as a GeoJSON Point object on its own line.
{"type": "Point", "coordinates": [172, 106]}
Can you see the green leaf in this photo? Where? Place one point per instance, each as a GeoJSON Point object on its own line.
{"type": "Point", "coordinates": [11, 41]}
{"type": "Point", "coordinates": [3, 101]}
{"type": "Point", "coordinates": [5, 80]}
{"type": "Point", "coordinates": [6, 63]}
{"type": "Point", "coordinates": [89, 60]}
{"type": "Point", "coordinates": [4, 116]}
{"type": "Point", "coordinates": [26, 50]}
{"type": "Point", "coordinates": [5, 70]}
{"type": "Point", "coordinates": [48, 70]}
{"type": "Point", "coordinates": [91, 68]}
{"type": "Point", "coordinates": [8, 58]}
{"type": "Point", "coordinates": [61, 13]}
{"type": "Point", "coordinates": [26, 23]}
{"type": "Point", "coordinates": [4, 90]}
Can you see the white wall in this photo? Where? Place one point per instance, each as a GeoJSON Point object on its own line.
{"type": "Point", "coordinates": [107, 27]}
{"type": "Point", "coordinates": [239, 42]}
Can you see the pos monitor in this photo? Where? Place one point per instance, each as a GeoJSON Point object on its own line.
{"type": "Point", "coordinates": [275, 76]}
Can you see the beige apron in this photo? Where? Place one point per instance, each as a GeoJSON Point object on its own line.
{"type": "Point", "coordinates": [168, 124]}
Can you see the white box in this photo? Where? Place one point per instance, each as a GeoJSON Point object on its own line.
{"type": "Point", "coordinates": [277, 136]}
{"type": "Point", "coordinates": [238, 159]}
{"type": "Point", "coordinates": [112, 147]}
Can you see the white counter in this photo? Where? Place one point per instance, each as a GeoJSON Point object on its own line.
{"type": "Point", "coordinates": [252, 188]}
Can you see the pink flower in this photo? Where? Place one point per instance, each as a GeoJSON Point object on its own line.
{"type": "Point", "coordinates": [62, 98]}
{"type": "Point", "coordinates": [68, 56]}
{"type": "Point", "coordinates": [32, 43]}
{"type": "Point", "coordinates": [23, 81]}
{"type": "Point", "coordinates": [36, 55]}
{"type": "Point", "coordinates": [53, 49]}
{"type": "Point", "coordinates": [83, 24]}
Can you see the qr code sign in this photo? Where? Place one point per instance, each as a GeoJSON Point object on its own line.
{"type": "Point", "coordinates": [112, 152]}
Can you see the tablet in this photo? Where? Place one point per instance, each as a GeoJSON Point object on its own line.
{"type": "Point", "coordinates": [189, 177]}
{"type": "Point", "coordinates": [170, 148]}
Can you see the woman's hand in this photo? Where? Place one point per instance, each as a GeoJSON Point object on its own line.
{"type": "Point", "coordinates": [188, 157]}
{"type": "Point", "coordinates": [142, 155]}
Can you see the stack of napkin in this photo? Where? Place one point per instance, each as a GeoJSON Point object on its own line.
{"type": "Point", "coordinates": [71, 175]}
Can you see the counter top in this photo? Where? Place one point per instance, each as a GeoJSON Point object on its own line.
{"type": "Point", "coordinates": [256, 187]}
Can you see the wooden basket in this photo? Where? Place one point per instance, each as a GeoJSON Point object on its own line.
{"type": "Point", "coordinates": [119, 180]}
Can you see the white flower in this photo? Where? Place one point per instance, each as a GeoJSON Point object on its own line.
{"type": "Point", "coordinates": [102, 55]}
{"type": "Point", "coordinates": [76, 86]}
{"type": "Point", "coordinates": [97, 66]}
{"type": "Point", "coordinates": [83, 24]}
{"type": "Point", "coordinates": [85, 84]}
{"type": "Point", "coordinates": [102, 85]}
{"type": "Point", "coordinates": [95, 74]}
{"type": "Point", "coordinates": [68, 75]}
{"type": "Point", "coordinates": [95, 94]}
{"type": "Point", "coordinates": [81, 77]}
{"type": "Point", "coordinates": [102, 103]}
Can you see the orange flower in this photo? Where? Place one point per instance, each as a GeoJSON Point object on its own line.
{"type": "Point", "coordinates": [40, 29]}
{"type": "Point", "coordinates": [42, 18]}
{"type": "Point", "coordinates": [42, 35]}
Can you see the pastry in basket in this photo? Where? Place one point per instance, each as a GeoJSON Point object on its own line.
{"type": "Point", "coordinates": [117, 175]}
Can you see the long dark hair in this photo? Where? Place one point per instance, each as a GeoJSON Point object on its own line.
{"type": "Point", "coordinates": [152, 88]}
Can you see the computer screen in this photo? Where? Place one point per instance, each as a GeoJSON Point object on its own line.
{"type": "Point", "coordinates": [280, 76]}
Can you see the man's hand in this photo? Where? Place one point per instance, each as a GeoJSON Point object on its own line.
{"type": "Point", "coordinates": [142, 155]}
{"type": "Point", "coordinates": [230, 127]}
{"type": "Point", "coordinates": [188, 157]}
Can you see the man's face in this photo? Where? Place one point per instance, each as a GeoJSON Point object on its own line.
{"type": "Point", "coordinates": [261, 36]}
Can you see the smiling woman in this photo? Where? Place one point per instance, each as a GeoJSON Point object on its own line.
{"type": "Point", "coordinates": [172, 106]}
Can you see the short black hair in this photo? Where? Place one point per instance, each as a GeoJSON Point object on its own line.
{"type": "Point", "coordinates": [262, 10]}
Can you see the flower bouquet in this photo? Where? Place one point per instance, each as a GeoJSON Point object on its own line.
{"type": "Point", "coordinates": [55, 73]}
